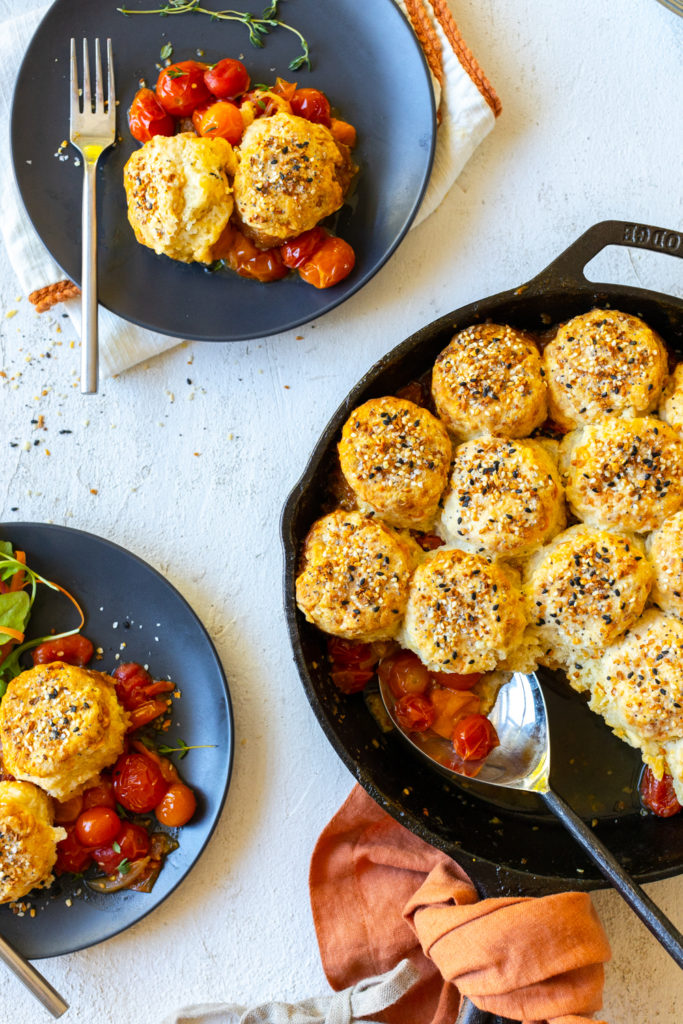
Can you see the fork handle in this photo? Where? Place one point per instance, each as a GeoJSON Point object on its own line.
{"type": "Point", "coordinates": [89, 345]}
{"type": "Point", "coordinates": [34, 981]}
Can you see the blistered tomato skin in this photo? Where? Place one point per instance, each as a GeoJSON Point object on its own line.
{"type": "Point", "coordinates": [299, 250]}
{"type": "Point", "coordinates": [181, 88]}
{"type": "Point", "coordinates": [74, 650]}
{"type": "Point", "coordinates": [312, 105]}
{"type": "Point", "coordinates": [71, 854]}
{"type": "Point", "coordinates": [333, 261]}
{"type": "Point", "coordinates": [414, 713]}
{"type": "Point", "coordinates": [221, 120]}
{"type": "Point", "coordinates": [138, 783]}
{"type": "Point", "coordinates": [97, 826]}
{"type": "Point", "coordinates": [474, 738]}
{"type": "Point", "coordinates": [227, 79]}
{"type": "Point", "coordinates": [131, 843]}
{"type": "Point", "coordinates": [147, 118]}
{"type": "Point", "coordinates": [177, 805]}
{"type": "Point", "coordinates": [658, 794]}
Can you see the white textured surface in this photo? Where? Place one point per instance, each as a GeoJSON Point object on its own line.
{"type": "Point", "coordinates": [591, 129]}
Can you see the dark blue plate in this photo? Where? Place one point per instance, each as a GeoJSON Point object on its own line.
{"type": "Point", "coordinates": [126, 602]}
{"type": "Point", "coordinates": [365, 58]}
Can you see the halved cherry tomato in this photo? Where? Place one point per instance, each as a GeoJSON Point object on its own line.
{"type": "Point", "coordinates": [181, 87]}
{"type": "Point", "coordinates": [313, 105]}
{"type": "Point", "coordinates": [404, 674]}
{"type": "Point", "coordinates": [220, 120]}
{"type": "Point", "coordinates": [658, 794]}
{"type": "Point", "coordinates": [67, 811]}
{"type": "Point", "coordinates": [146, 713]}
{"type": "Point", "coordinates": [97, 826]}
{"type": "Point", "coordinates": [165, 766]}
{"type": "Point", "coordinates": [456, 681]}
{"type": "Point", "coordinates": [284, 88]}
{"type": "Point", "coordinates": [227, 79]}
{"type": "Point", "coordinates": [299, 250]}
{"type": "Point", "coordinates": [450, 707]}
{"type": "Point", "coordinates": [350, 653]}
{"type": "Point", "coordinates": [333, 261]}
{"type": "Point", "coordinates": [101, 795]}
{"type": "Point", "coordinates": [131, 843]}
{"type": "Point", "coordinates": [138, 783]}
{"type": "Point", "coordinates": [74, 650]}
{"type": "Point", "coordinates": [343, 132]}
{"type": "Point", "coordinates": [351, 680]}
{"type": "Point", "coordinates": [177, 805]}
{"type": "Point", "coordinates": [135, 686]}
{"type": "Point", "coordinates": [474, 738]}
{"type": "Point", "coordinates": [414, 713]}
{"type": "Point", "coordinates": [243, 256]}
{"type": "Point", "coordinates": [147, 117]}
{"type": "Point", "coordinates": [71, 854]}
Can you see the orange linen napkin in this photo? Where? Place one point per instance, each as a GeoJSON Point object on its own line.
{"type": "Point", "coordinates": [380, 894]}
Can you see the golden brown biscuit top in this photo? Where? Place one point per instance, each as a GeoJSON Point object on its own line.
{"type": "Point", "coordinates": [394, 446]}
{"type": "Point", "coordinates": [502, 493]}
{"type": "Point", "coordinates": [605, 361]}
{"type": "Point", "coordinates": [594, 582]}
{"type": "Point", "coordinates": [645, 678]}
{"type": "Point", "coordinates": [628, 473]}
{"type": "Point", "coordinates": [53, 712]}
{"type": "Point", "coordinates": [486, 362]}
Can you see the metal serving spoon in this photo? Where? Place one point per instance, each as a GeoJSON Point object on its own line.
{"type": "Point", "coordinates": [33, 979]}
{"type": "Point", "coordinates": [522, 762]}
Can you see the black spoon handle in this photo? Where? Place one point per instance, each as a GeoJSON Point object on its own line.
{"type": "Point", "coordinates": [649, 913]}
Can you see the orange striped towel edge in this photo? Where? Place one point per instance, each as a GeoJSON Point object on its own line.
{"type": "Point", "coordinates": [419, 14]}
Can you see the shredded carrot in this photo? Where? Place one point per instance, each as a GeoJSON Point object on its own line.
{"type": "Point", "coordinates": [17, 581]}
{"type": "Point", "coordinates": [15, 634]}
{"type": "Point", "coordinates": [75, 604]}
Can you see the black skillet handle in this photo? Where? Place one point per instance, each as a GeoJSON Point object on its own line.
{"type": "Point", "coordinates": [567, 269]}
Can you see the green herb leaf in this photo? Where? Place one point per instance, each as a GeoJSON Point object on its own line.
{"type": "Point", "coordinates": [175, 73]}
{"type": "Point", "coordinates": [124, 866]}
{"type": "Point", "coordinates": [166, 51]}
{"type": "Point", "coordinates": [115, 847]}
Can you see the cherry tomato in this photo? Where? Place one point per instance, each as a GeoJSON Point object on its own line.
{"type": "Point", "coordinates": [97, 826]}
{"type": "Point", "coordinates": [474, 738]}
{"type": "Point", "coordinates": [404, 674]}
{"type": "Point", "coordinates": [350, 653]}
{"type": "Point", "coordinates": [658, 794]}
{"type": "Point", "coordinates": [351, 680]}
{"type": "Point", "coordinates": [181, 87]}
{"type": "Point", "coordinates": [299, 250]}
{"type": "Point", "coordinates": [429, 541]}
{"type": "Point", "coordinates": [138, 783]}
{"type": "Point", "coordinates": [177, 806]}
{"type": "Point", "coordinates": [333, 261]}
{"type": "Point", "coordinates": [147, 118]}
{"type": "Point", "coordinates": [135, 686]}
{"type": "Point", "coordinates": [146, 713]}
{"type": "Point", "coordinates": [101, 795]}
{"type": "Point", "coordinates": [456, 681]}
{"type": "Point", "coordinates": [284, 88]}
{"type": "Point", "coordinates": [71, 854]}
{"type": "Point", "coordinates": [414, 713]}
{"type": "Point", "coordinates": [227, 79]}
{"type": "Point", "coordinates": [343, 132]}
{"type": "Point", "coordinates": [313, 105]}
{"type": "Point", "coordinates": [166, 767]}
{"type": "Point", "coordinates": [220, 120]}
{"type": "Point", "coordinates": [68, 810]}
{"type": "Point", "coordinates": [131, 843]}
{"type": "Point", "coordinates": [243, 256]}
{"type": "Point", "coordinates": [74, 650]}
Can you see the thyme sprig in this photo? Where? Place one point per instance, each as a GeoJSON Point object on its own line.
{"type": "Point", "coordinates": [258, 28]}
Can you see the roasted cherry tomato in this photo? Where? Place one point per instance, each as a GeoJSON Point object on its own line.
{"type": "Point", "coordinates": [299, 250]}
{"type": "Point", "coordinates": [658, 794]}
{"type": "Point", "coordinates": [147, 118]}
{"type": "Point", "coordinates": [350, 653]}
{"type": "Point", "coordinates": [429, 541]}
{"type": "Point", "coordinates": [138, 783]}
{"type": "Point", "coordinates": [220, 120]}
{"type": "Point", "coordinates": [343, 132]}
{"type": "Point", "coordinates": [68, 810]}
{"type": "Point", "coordinates": [227, 79]}
{"type": "Point", "coordinates": [332, 262]}
{"type": "Point", "coordinates": [101, 795]}
{"type": "Point", "coordinates": [414, 713]}
{"type": "Point", "coordinates": [135, 686]}
{"type": "Point", "coordinates": [243, 256]}
{"type": "Point", "coordinates": [404, 674]}
{"type": "Point", "coordinates": [177, 805]}
{"type": "Point", "coordinates": [181, 87]}
{"type": "Point", "coordinates": [71, 854]}
{"type": "Point", "coordinates": [313, 105]}
{"type": "Point", "coordinates": [131, 843]}
{"type": "Point", "coordinates": [456, 681]}
{"type": "Point", "coordinates": [474, 738]}
{"type": "Point", "coordinates": [97, 826]}
{"type": "Point", "coordinates": [74, 650]}
{"type": "Point", "coordinates": [351, 680]}
{"type": "Point", "coordinates": [146, 713]}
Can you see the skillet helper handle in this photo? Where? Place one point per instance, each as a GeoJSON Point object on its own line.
{"type": "Point", "coordinates": [567, 269]}
{"type": "Point", "coordinates": [649, 913]}
{"type": "Point", "coordinates": [33, 980]}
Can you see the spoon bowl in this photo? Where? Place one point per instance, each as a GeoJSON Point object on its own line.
{"type": "Point", "coordinates": [521, 761]}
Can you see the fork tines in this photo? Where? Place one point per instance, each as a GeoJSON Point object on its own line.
{"type": "Point", "coordinates": [92, 103]}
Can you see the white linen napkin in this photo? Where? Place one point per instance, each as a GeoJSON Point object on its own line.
{"type": "Point", "coordinates": [467, 108]}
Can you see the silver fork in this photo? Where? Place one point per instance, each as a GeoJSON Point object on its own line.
{"type": "Point", "coordinates": [93, 129]}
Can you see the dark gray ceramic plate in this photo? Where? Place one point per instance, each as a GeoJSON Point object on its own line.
{"type": "Point", "coordinates": [127, 602]}
{"type": "Point", "coordinates": [365, 58]}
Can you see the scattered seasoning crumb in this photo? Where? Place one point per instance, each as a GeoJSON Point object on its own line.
{"type": "Point", "coordinates": [93, 490]}
{"type": "Point", "coordinates": [10, 313]}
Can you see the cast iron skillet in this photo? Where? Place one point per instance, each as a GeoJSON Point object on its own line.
{"type": "Point", "coordinates": [506, 840]}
